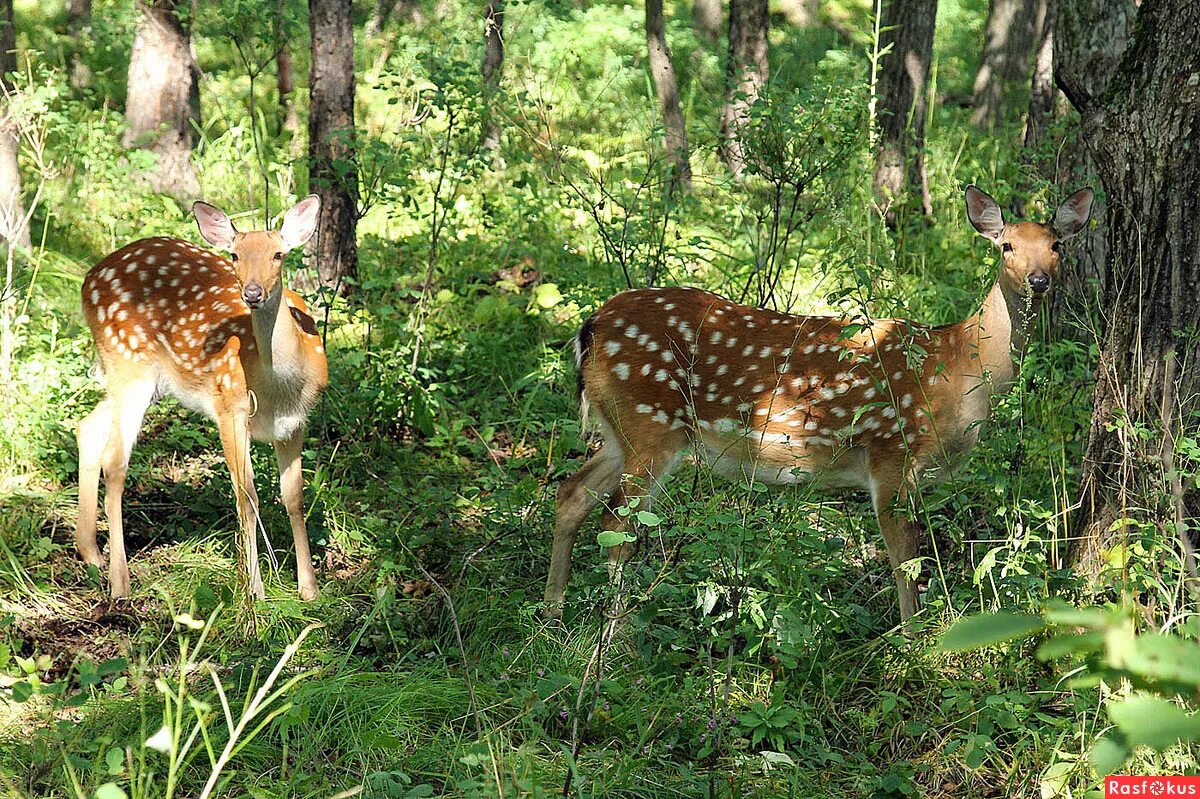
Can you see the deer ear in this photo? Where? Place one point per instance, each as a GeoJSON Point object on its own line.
{"type": "Point", "coordinates": [984, 213]}
{"type": "Point", "coordinates": [300, 222]}
{"type": "Point", "coordinates": [215, 226]}
{"type": "Point", "coordinates": [1072, 216]}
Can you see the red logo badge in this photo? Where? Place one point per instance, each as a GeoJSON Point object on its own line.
{"type": "Point", "coordinates": [1151, 787]}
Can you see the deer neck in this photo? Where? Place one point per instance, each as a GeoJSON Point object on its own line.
{"type": "Point", "coordinates": [998, 334]}
{"type": "Point", "coordinates": [275, 333]}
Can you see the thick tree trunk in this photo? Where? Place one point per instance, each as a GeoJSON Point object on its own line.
{"type": "Point", "coordinates": [1144, 130]}
{"type": "Point", "coordinates": [665, 86]}
{"type": "Point", "coordinates": [708, 17]}
{"type": "Point", "coordinates": [904, 102]}
{"type": "Point", "coordinates": [384, 10]}
{"type": "Point", "coordinates": [1013, 28]}
{"type": "Point", "coordinates": [79, 16]}
{"type": "Point", "coordinates": [332, 171]}
{"type": "Point", "coordinates": [493, 63]}
{"type": "Point", "coordinates": [289, 115]}
{"type": "Point", "coordinates": [13, 225]}
{"type": "Point", "coordinates": [163, 101]}
{"type": "Point", "coordinates": [746, 72]}
{"type": "Point", "coordinates": [1088, 40]}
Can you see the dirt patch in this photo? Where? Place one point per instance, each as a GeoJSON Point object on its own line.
{"type": "Point", "coordinates": [101, 632]}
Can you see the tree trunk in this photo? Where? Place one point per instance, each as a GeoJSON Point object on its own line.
{"type": "Point", "coordinates": [1042, 90]}
{"type": "Point", "coordinates": [708, 17]}
{"type": "Point", "coordinates": [332, 171]}
{"type": "Point", "coordinates": [745, 76]}
{"type": "Point", "coordinates": [287, 75]}
{"type": "Point", "coordinates": [79, 16]}
{"type": "Point", "coordinates": [1144, 131]}
{"type": "Point", "coordinates": [903, 102]}
{"type": "Point", "coordinates": [1088, 40]}
{"type": "Point", "coordinates": [13, 225]}
{"type": "Point", "coordinates": [163, 101]}
{"type": "Point", "coordinates": [493, 63]}
{"type": "Point", "coordinates": [663, 72]}
{"type": "Point", "coordinates": [1013, 27]}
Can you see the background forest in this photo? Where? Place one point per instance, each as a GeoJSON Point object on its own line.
{"type": "Point", "coordinates": [490, 174]}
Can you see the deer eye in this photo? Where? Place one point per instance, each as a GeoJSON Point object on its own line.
{"type": "Point", "coordinates": [278, 256]}
{"type": "Point", "coordinates": [1056, 246]}
{"type": "Point", "coordinates": [1006, 248]}
{"type": "Point", "coordinates": [233, 257]}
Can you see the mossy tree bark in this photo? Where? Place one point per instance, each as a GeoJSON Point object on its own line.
{"type": "Point", "coordinates": [1143, 129]}
{"type": "Point", "coordinates": [493, 65]}
{"type": "Point", "coordinates": [13, 225]}
{"type": "Point", "coordinates": [1013, 28]}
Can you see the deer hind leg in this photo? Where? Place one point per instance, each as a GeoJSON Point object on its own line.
{"type": "Point", "coordinates": [577, 496]}
{"type": "Point", "coordinates": [890, 494]}
{"type": "Point", "coordinates": [291, 487]}
{"type": "Point", "coordinates": [110, 431]}
{"type": "Point", "coordinates": [646, 471]}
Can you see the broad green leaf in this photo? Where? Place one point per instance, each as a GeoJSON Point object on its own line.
{"type": "Point", "coordinates": [1154, 722]}
{"type": "Point", "coordinates": [1071, 644]}
{"type": "Point", "coordinates": [1108, 755]}
{"type": "Point", "coordinates": [648, 519]}
{"type": "Point", "coordinates": [613, 538]}
{"type": "Point", "coordinates": [114, 759]}
{"type": "Point", "coordinates": [976, 632]}
{"type": "Point", "coordinates": [547, 295]}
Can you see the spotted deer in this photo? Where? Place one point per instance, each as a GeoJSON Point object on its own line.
{"type": "Point", "coordinates": [878, 405]}
{"type": "Point", "coordinates": [225, 338]}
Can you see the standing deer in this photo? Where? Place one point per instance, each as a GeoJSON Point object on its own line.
{"type": "Point", "coordinates": [879, 406]}
{"type": "Point", "coordinates": [225, 338]}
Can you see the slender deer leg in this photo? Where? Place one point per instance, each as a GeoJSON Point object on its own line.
{"type": "Point", "coordinates": [92, 436]}
{"type": "Point", "coordinates": [642, 481]}
{"type": "Point", "coordinates": [576, 498]}
{"type": "Point", "coordinates": [291, 487]}
{"type": "Point", "coordinates": [235, 440]}
{"type": "Point", "coordinates": [889, 496]}
{"type": "Point", "coordinates": [128, 406]}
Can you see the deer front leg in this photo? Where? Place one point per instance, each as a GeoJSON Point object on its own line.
{"type": "Point", "coordinates": [235, 441]}
{"type": "Point", "coordinates": [291, 487]}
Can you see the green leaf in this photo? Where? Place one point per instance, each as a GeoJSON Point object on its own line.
{"type": "Point", "coordinates": [110, 790]}
{"type": "Point", "coordinates": [613, 538]}
{"type": "Point", "coordinates": [976, 632]}
{"type": "Point", "coordinates": [115, 760]}
{"type": "Point", "coordinates": [1108, 755]}
{"type": "Point", "coordinates": [1075, 643]}
{"type": "Point", "coordinates": [21, 691]}
{"type": "Point", "coordinates": [547, 295]}
{"type": "Point", "coordinates": [1154, 722]}
{"type": "Point", "coordinates": [648, 519]}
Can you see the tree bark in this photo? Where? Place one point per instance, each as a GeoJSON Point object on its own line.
{"type": "Point", "coordinates": [332, 170]}
{"type": "Point", "coordinates": [79, 16]}
{"type": "Point", "coordinates": [290, 117]}
{"type": "Point", "coordinates": [665, 86]}
{"type": "Point", "coordinates": [1042, 90]}
{"type": "Point", "coordinates": [13, 224]}
{"type": "Point", "coordinates": [1013, 27]}
{"type": "Point", "coordinates": [493, 63]}
{"type": "Point", "coordinates": [746, 72]}
{"type": "Point", "coordinates": [708, 16]}
{"type": "Point", "coordinates": [163, 101]}
{"type": "Point", "coordinates": [904, 102]}
{"type": "Point", "coordinates": [1143, 128]}
{"type": "Point", "coordinates": [1088, 40]}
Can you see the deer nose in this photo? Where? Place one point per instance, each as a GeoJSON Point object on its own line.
{"type": "Point", "coordinates": [1039, 282]}
{"type": "Point", "coordinates": [252, 293]}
